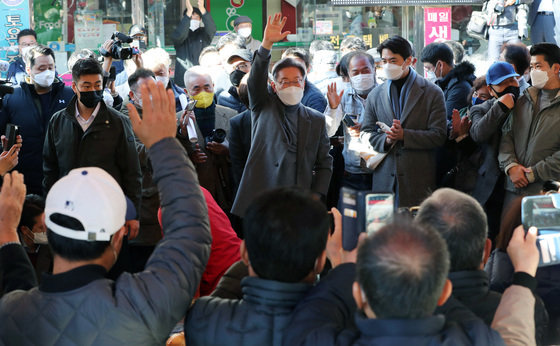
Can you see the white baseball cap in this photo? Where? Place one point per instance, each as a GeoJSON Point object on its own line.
{"type": "Point", "coordinates": [93, 197]}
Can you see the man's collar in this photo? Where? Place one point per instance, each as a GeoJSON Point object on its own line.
{"type": "Point", "coordinates": [71, 279]}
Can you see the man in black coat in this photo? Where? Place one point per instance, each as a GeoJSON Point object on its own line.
{"type": "Point", "coordinates": [88, 133]}
{"type": "Point", "coordinates": [190, 38]}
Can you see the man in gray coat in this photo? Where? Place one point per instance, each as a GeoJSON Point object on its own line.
{"type": "Point", "coordinates": [529, 150]}
{"type": "Point", "coordinates": [85, 214]}
{"type": "Point", "coordinates": [289, 141]}
{"type": "Point", "coordinates": [413, 111]}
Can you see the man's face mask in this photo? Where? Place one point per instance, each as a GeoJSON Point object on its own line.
{"type": "Point", "coordinates": [204, 99]}
{"type": "Point", "coordinates": [195, 24]}
{"type": "Point", "coordinates": [44, 79]}
{"type": "Point", "coordinates": [290, 96]}
{"type": "Point", "coordinates": [90, 99]}
{"type": "Point", "coordinates": [235, 77]}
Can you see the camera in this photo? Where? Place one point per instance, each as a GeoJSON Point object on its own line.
{"type": "Point", "coordinates": [217, 135]}
{"type": "Point", "coordinates": [119, 52]}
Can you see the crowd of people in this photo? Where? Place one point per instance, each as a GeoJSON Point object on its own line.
{"type": "Point", "coordinates": [203, 209]}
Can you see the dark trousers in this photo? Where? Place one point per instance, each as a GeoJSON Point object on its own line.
{"type": "Point", "coordinates": [543, 29]}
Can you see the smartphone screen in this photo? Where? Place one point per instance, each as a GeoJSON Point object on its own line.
{"type": "Point", "coordinates": [379, 210]}
{"type": "Point", "coordinates": [543, 212]}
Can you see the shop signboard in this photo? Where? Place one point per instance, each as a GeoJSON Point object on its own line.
{"type": "Point", "coordinates": [224, 13]}
{"type": "Point", "coordinates": [437, 24]}
{"type": "Point", "coordinates": [88, 29]}
{"type": "Point", "coordinates": [14, 17]}
{"type": "Point", "coordinates": [48, 20]}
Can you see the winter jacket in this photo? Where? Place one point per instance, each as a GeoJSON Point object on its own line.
{"type": "Point", "coordinates": [16, 270]}
{"type": "Point", "coordinates": [532, 140]}
{"type": "Point", "coordinates": [188, 44]}
{"type": "Point", "coordinates": [260, 318]}
{"type": "Point", "coordinates": [326, 316]}
{"type": "Point", "coordinates": [107, 143]}
{"type": "Point", "coordinates": [231, 100]}
{"type": "Point", "coordinates": [16, 71]}
{"type": "Point", "coordinates": [239, 138]}
{"type": "Point", "coordinates": [313, 97]}
{"type": "Point", "coordinates": [23, 108]}
{"type": "Point", "coordinates": [81, 307]}
{"type": "Point", "coordinates": [456, 85]}
{"type": "Point", "coordinates": [486, 130]}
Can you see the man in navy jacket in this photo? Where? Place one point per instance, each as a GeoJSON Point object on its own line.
{"type": "Point", "coordinates": [31, 106]}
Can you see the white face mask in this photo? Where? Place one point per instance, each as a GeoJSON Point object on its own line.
{"type": "Point", "coordinates": [539, 78]}
{"type": "Point", "coordinates": [40, 238]}
{"type": "Point", "coordinates": [363, 83]}
{"type": "Point", "coordinates": [137, 100]}
{"type": "Point", "coordinates": [290, 96]}
{"type": "Point", "coordinates": [431, 76]}
{"type": "Point", "coordinates": [44, 79]}
{"type": "Point", "coordinates": [392, 71]}
{"type": "Point", "coordinates": [245, 32]}
{"type": "Point", "coordinates": [195, 24]}
{"type": "Point", "coordinates": [164, 80]}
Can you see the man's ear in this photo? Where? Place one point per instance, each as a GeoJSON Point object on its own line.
{"type": "Point", "coordinates": [130, 94]}
{"type": "Point", "coordinates": [74, 88]}
{"type": "Point", "coordinates": [445, 293]}
{"type": "Point", "coordinates": [117, 239]}
{"type": "Point", "coordinates": [243, 252]}
{"type": "Point", "coordinates": [273, 85]}
{"type": "Point", "coordinates": [320, 262]}
{"type": "Point", "coordinates": [486, 253]}
{"type": "Point", "coordinates": [359, 296]}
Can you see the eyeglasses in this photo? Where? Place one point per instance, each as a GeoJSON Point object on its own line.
{"type": "Point", "coordinates": [242, 66]}
{"type": "Point", "coordinates": [286, 83]}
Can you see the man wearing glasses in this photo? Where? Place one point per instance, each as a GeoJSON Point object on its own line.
{"type": "Point", "coordinates": [238, 65]}
{"type": "Point", "coordinates": [289, 141]}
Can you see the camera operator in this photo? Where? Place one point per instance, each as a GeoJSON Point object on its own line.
{"type": "Point", "coordinates": [131, 58]}
{"type": "Point", "coordinates": [30, 107]}
{"type": "Point", "coordinates": [211, 153]}
{"type": "Point", "coordinates": [503, 24]}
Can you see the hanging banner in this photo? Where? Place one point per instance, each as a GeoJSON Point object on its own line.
{"type": "Point", "coordinates": [437, 24]}
{"type": "Point", "coordinates": [48, 20]}
{"type": "Point", "coordinates": [14, 17]}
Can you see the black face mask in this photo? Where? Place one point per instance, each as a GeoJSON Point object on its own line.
{"type": "Point", "coordinates": [235, 77]}
{"type": "Point", "coordinates": [509, 90]}
{"type": "Point", "coordinates": [90, 99]}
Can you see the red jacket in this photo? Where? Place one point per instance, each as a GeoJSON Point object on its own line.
{"type": "Point", "coordinates": [225, 245]}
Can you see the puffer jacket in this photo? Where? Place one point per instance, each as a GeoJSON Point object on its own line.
{"type": "Point", "coordinates": [456, 85]}
{"type": "Point", "coordinates": [258, 319]}
{"type": "Point", "coordinates": [81, 307]}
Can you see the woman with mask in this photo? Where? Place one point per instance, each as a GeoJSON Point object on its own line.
{"type": "Point", "coordinates": [195, 31]}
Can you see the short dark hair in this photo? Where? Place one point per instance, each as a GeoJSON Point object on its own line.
{"type": "Point", "coordinates": [353, 43]}
{"type": "Point", "coordinates": [461, 221]}
{"type": "Point", "coordinates": [396, 44]}
{"type": "Point", "coordinates": [26, 32]}
{"type": "Point", "coordinates": [85, 67]}
{"type": "Point", "coordinates": [550, 51]}
{"type": "Point", "coordinates": [287, 62]}
{"type": "Point", "coordinates": [33, 206]}
{"type": "Point", "coordinates": [518, 56]}
{"type": "Point", "coordinates": [139, 73]}
{"type": "Point", "coordinates": [72, 249]}
{"type": "Point", "coordinates": [231, 38]}
{"type": "Point", "coordinates": [285, 232]}
{"type": "Point", "coordinates": [402, 269]}
{"type": "Point", "coordinates": [342, 67]}
{"type": "Point", "coordinates": [359, 53]}
{"type": "Point", "coordinates": [299, 53]}
{"type": "Point", "coordinates": [37, 51]}
{"type": "Point", "coordinates": [437, 51]}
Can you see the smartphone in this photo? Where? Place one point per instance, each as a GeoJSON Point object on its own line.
{"type": "Point", "coordinates": [349, 119]}
{"type": "Point", "coordinates": [191, 104]}
{"type": "Point", "coordinates": [383, 126]}
{"type": "Point", "coordinates": [363, 211]}
{"type": "Point", "coordinates": [12, 132]}
{"type": "Point", "coordinates": [543, 212]}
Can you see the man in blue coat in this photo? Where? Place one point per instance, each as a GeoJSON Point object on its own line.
{"type": "Point", "coordinates": [31, 106]}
